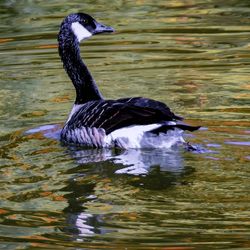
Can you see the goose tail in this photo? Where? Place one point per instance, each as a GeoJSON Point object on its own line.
{"type": "Point", "coordinates": [166, 127]}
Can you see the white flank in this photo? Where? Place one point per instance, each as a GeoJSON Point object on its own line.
{"type": "Point", "coordinates": [130, 137]}
{"type": "Point", "coordinates": [136, 137]}
{"type": "Point", "coordinates": [80, 32]}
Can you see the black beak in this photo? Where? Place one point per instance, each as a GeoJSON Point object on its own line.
{"type": "Point", "coordinates": [101, 28]}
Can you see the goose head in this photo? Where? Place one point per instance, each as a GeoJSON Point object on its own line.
{"type": "Point", "coordinates": [83, 26]}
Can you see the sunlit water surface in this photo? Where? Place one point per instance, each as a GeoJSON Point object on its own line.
{"type": "Point", "coordinates": [193, 55]}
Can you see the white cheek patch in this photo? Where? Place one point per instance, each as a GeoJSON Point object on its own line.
{"type": "Point", "coordinates": [80, 32]}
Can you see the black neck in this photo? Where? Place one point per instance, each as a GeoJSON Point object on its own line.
{"type": "Point", "coordinates": [86, 88]}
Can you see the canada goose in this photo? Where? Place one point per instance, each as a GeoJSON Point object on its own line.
{"type": "Point", "coordinates": [134, 122]}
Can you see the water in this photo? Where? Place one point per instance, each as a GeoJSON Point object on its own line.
{"type": "Point", "coordinates": [193, 55]}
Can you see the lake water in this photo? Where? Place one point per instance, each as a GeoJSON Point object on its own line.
{"type": "Point", "coordinates": [193, 55]}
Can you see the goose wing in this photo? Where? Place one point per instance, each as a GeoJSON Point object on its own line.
{"type": "Point", "coordinates": [152, 104]}
{"type": "Point", "coordinates": [111, 115]}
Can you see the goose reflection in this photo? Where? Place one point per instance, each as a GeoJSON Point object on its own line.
{"type": "Point", "coordinates": [133, 169]}
{"type": "Point", "coordinates": [155, 169]}
{"type": "Point", "coordinates": [132, 161]}
{"type": "Point", "coordinates": [83, 225]}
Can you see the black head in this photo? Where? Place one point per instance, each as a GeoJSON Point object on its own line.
{"type": "Point", "coordinates": [84, 26]}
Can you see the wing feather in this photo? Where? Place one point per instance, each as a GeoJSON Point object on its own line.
{"type": "Point", "coordinates": [114, 114]}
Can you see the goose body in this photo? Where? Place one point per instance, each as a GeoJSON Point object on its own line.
{"type": "Point", "coordinates": [135, 122]}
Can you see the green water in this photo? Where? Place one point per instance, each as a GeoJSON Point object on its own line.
{"type": "Point", "coordinates": [193, 55]}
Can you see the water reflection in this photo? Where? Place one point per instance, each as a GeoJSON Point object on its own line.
{"type": "Point", "coordinates": [147, 169]}
{"type": "Point", "coordinates": [134, 161]}
{"type": "Point", "coordinates": [151, 169]}
{"type": "Point", "coordinates": [82, 225]}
